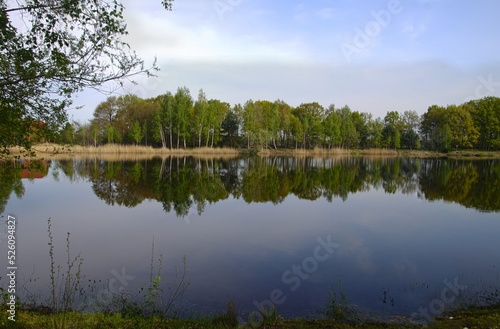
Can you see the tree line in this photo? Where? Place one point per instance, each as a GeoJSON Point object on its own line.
{"type": "Point", "coordinates": [180, 121]}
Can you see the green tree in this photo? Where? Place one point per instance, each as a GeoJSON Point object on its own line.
{"type": "Point", "coordinates": [130, 109]}
{"type": "Point", "coordinates": [50, 51]}
{"type": "Point", "coordinates": [297, 129]}
{"type": "Point", "coordinates": [230, 127]}
{"type": "Point", "coordinates": [250, 126]}
{"type": "Point", "coordinates": [348, 133]}
{"type": "Point", "coordinates": [182, 108]}
{"type": "Point", "coordinates": [360, 124]}
{"type": "Point", "coordinates": [310, 116]}
{"type": "Point", "coordinates": [376, 128]}
{"type": "Point", "coordinates": [200, 116]}
{"type": "Point", "coordinates": [285, 122]}
{"type": "Point", "coordinates": [136, 132]}
{"type": "Point", "coordinates": [217, 111]}
{"type": "Point", "coordinates": [105, 117]}
{"type": "Point", "coordinates": [67, 135]}
{"type": "Point", "coordinates": [486, 115]}
{"type": "Point", "coordinates": [463, 132]}
{"type": "Point", "coordinates": [434, 128]}
{"type": "Point", "coordinates": [392, 130]}
{"type": "Point", "coordinates": [410, 124]}
{"type": "Point", "coordinates": [331, 127]}
{"type": "Point", "coordinates": [112, 134]}
{"type": "Point", "coordinates": [163, 120]}
{"type": "Point", "coordinates": [267, 116]}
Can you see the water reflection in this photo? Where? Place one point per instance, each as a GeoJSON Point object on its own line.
{"type": "Point", "coordinates": [181, 183]}
{"type": "Point", "coordinates": [395, 249]}
{"type": "Point", "coordinates": [11, 173]}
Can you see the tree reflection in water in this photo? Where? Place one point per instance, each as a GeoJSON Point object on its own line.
{"type": "Point", "coordinates": [181, 183]}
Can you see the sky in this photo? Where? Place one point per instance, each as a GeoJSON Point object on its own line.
{"type": "Point", "coordinates": [374, 56]}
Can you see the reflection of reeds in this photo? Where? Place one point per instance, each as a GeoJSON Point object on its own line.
{"type": "Point", "coordinates": [328, 152]}
{"type": "Point", "coordinates": [317, 151]}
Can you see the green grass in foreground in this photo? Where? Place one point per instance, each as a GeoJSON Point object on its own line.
{"type": "Point", "coordinates": [487, 317]}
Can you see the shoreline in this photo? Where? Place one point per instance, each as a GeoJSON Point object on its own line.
{"type": "Point", "coordinates": [138, 151]}
{"type": "Point", "coordinates": [474, 317]}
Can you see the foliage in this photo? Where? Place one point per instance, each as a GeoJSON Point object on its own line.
{"type": "Point", "coordinates": [176, 121]}
{"type": "Point", "coordinates": [338, 307]}
{"type": "Point", "coordinates": [228, 319]}
{"type": "Point", "coordinates": [154, 293]}
{"type": "Point", "coordinates": [64, 287]}
{"type": "Point", "coordinates": [230, 128]}
{"type": "Point", "coordinates": [51, 50]}
{"type": "Point", "coordinates": [10, 182]}
{"type": "Point", "coordinates": [154, 290]}
{"type": "Point", "coordinates": [474, 318]}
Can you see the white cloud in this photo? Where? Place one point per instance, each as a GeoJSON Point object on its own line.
{"type": "Point", "coordinates": [250, 55]}
{"type": "Point", "coordinates": [168, 39]}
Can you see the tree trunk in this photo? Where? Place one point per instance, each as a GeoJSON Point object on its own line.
{"type": "Point", "coordinates": [170, 132]}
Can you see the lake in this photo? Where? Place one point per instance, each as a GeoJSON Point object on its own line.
{"type": "Point", "coordinates": [386, 236]}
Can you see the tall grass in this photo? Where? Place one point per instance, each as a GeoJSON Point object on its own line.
{"type": "Point", "coordinates": [119, 152]}
{"type": "Point", "coordinates": [63, 286]}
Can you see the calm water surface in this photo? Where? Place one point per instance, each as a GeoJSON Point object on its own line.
{"type": "Point", "coordinates": [395, 236]}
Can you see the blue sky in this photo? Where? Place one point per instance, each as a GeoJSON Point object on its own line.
{"type": "Point", "coordinates": [375, 56]}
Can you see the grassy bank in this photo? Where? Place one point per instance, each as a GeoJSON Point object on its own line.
{"type": "Point", "coordinates": [132, 152]}
{"type": "Point", "coordinates": [488, 317]}
{"type": "Point", "coordinates": [318, 152]}
{"type": "Point", "coordinates": [122, 152]}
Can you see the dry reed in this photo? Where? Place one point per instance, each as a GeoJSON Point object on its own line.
{"type": "Point", "coordinates": [120, 152]}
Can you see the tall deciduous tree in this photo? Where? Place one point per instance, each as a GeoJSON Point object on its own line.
{"type": "Point", "coordinates": [217, 111]}
{"type": "Point", "coordinates": [392, 130]}
{"type": "Point", "coordinates": [331, 127]}
{"type": "Point", "coordinates": [486, 115]}
{"type": "Point", "coordinates": [52, 49]}
{"type": "Point", "coordinates": [183, 106]}
{"type": "Point", "coordinates": [230, 127]}
{"type": "Point", "coordinates": [285, 122]}
{"type": "Point", "coordinates": [136, 132]}
{"type": "Point", "coordinates": [200, 116]}
{"type": "Point", "coordinates": [105, 117]}
{"type": "Point", "coordinates": [310, 116]}
{"type": "Point", "coordinates": [250, 125]}
{"type": "Point", "coordinates": [410, 125]}
{"type": "Point", "coordinates": [348, 133]}
{"type": "Point", "coordinates": [435, 129]}
{"type": "Point", "coordinates": [463, 132]}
